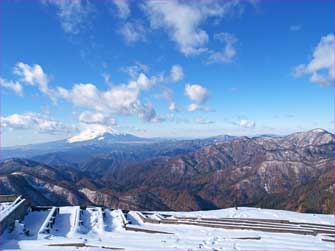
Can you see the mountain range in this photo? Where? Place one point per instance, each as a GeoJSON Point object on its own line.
{"type": "Point", "coordinates": [292, 172]}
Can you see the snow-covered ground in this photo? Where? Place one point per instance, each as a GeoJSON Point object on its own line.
{"type": "Point", "coordinates": [7, 208]}
{"type": "Point", "coordinates": [4, 205]}
{"type": "Point", "coordinates": [95, 228]}
{"type": "Point", "coordinates": [251, 212]}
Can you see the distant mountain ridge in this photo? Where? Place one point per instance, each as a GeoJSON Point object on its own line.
{"type": "Point", "coordinates": [289, 172]}
{"type": "Point", "coordinates": [66, 144]}
{"type": "Point", "coordinates": [110, 146]}
{"type": "Point", "coordinates": [108, 137]}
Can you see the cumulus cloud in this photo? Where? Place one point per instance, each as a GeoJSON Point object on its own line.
{"type": "Point", "coordinates": [14, 86]}
{"type": "Point", "coordinates": [134, 70]}
{"type": "Point", "coordinates": [192, 107]}
{"type": "Point", "coordinates": [143, 82]}
{"type": "Point", "coordinates": [228, 52]}
{"type": "Point", "coordinates": [247, 123]}
{"type": "Point", "coordinates": [73, 14]}
{"type": "Point", "coordinates": [140, 71]}
{"type": "Point", "coordinates": [140, 79]}
{"type": "Point", "coordinates": [147, 113]}
{"type": "Point", "coordinates": [173, 107]}
{"type": "Point", "coordinates": [103, 105]}
{"type": "Point", "coordinates": [120, 99]}
{"type": "Point", "coordinates": [196, 93]}
{"type": "Point", "coordinates": [34, 121]}
{"type": "Point", "coordinates": [182, 20]}
{"type": "Point", "coordinates": [83, 95]}
{"type": "Point", "coordinates": [34, 76]}
{"type": "Point", "coordinates": [176, 73]}
{"type": "Point", "coordinates": [321, 67]}
{"type": "Point", "coordinates": [117, 99]}
{"type": "Point", "coordinates": [89, 117]}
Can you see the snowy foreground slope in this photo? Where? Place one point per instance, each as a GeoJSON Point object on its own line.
{"type": "Point", "coordinates": [227, 229]}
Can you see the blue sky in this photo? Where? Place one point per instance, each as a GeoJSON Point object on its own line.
{"type": "Point", "coordinates": [165, 68]}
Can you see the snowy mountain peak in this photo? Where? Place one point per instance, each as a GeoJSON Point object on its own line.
{"type": "Point", "coordinates": [91, 133]}
{"type": "Point", "coordinates": [98, 133]}
{"type": "Point", "coordinates": [318, 130]}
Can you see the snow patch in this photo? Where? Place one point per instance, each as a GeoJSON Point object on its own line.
{"type": "Point", "coordinates": [103, 228]}
{"type": "Point", "coordinates": [92, 132]}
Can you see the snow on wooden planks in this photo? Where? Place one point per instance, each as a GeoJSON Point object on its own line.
{"type": "Point", "coordinates": [265, 225]}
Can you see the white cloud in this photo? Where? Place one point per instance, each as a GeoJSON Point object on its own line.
{"type": "Point", "coordinates": [176, 73]}
{"type": "Point", "coordinates": [198, 96]}
{"type": "Point", "coordinates": [73, 14]}
{"type": "Point", "coordinates": [133, 32]}
{"type": "Point", "coordinates": [247, 123]}
{"type": "Point", "coordinates": [203, 121]}
{"type": "Point", "coordinates": [89, 117]}
{"type": "Point", "coordinates": [192, 107]}
{"type": "Point", "coordinates": [120, 100]}
{"type": "Point", "coordinates": [228, 52]}
{"type": "Point", "coordinates": [138, 72]}
{"type": "Point", "coordinates": [321, 67]}
{"type": "Point", "coordinates": [196, 107]}
{"type": "Point", "coordinates": [147, 113]}
{"type": "Point", "coordinates": [123, 99]}
{"type": "Point", "coordinates": [173, 107]}
{"type": "Point", "coordinates": [142, 82]}
{"type": "Point", "coordinates": [123, 8]}
{"type": "Point", "coordinates": [93, 125]}
{"type": "Point", "coordinates": [182, 20]}
{"type": "Point", "coordinates": [83, 95]}
{"type": "Point", "coordinates": [34, 121]}
{"type": "Point", "coordinates": [117, 99]}
{"type": "Point", "coordinates": [35, 76]}
{"type": "Point", "coordinates": [196, 93]}
{"type": "Point", "coordinates": [134, 70]}
{"type": "Point", "coordinates": [14, 86]}
{"type": "Point", "coordinates": [167, 94]}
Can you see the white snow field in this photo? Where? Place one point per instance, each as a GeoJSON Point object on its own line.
{"type": "Point", "coordinates": [96, 228]}
{"type": "Point", "coordinates": [7, 208]}
{"type": "Point", "coordinates": [4, 205]}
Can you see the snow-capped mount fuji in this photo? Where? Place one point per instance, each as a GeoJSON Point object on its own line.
{"type": "Point", "coordinates": [105, 137]}
{"type": "Point", "coordinates": [104, 134]}
{"type": "Point", "coordinates": [99, 141]}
